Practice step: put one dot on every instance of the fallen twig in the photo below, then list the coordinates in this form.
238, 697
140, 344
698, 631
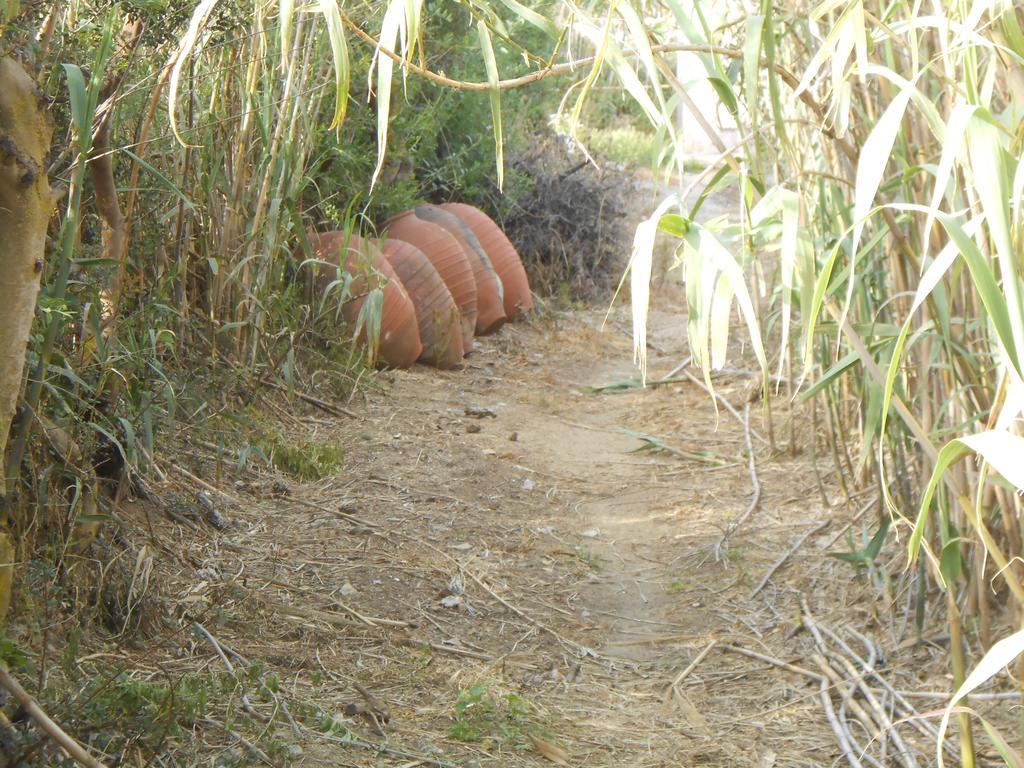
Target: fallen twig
726, 404
202, 483
772, 660
201, 630
755, 483
845, 691
334, 410
691, 666
382, 749
860, 513
884, 723
43, 720
577, 647
782, 560
842, 735
263, 756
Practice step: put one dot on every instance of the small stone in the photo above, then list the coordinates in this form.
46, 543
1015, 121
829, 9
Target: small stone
472, 429
527, 484
348, 590
514, 437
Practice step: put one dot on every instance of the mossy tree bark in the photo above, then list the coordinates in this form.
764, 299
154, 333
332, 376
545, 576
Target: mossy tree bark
25, 209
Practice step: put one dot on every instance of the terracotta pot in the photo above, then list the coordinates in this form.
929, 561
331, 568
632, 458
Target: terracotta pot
503, 256
436, 313
490, 306
450, 261
399, 345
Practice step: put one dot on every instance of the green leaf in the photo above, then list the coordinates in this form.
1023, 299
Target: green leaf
674, 225
542, 23
1001, 450
950, 563
80, 113
164, 181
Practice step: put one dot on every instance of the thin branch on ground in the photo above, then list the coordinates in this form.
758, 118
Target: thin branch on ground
755, 499
45, 722
782, 560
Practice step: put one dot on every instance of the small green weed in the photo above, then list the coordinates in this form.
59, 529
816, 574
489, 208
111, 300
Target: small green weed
489, 719
304, 460
588, 557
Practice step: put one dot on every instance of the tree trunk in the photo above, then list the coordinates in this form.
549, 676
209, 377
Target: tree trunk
25, 208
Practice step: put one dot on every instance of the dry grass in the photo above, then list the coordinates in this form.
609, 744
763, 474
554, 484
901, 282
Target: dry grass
557, 633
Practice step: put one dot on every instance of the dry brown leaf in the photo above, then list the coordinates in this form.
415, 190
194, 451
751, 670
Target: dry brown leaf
555, 754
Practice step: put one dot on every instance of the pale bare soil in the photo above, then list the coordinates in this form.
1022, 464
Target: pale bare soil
495, 538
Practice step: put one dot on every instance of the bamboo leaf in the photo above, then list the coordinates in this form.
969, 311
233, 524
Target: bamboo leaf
285, 20
639, 270
394, 19
185, 48
874, 157
608, 50
992, 663
1006, 752
787, 258
999, 449
992, 182
495, 95
705, 243
721, 305
752, 64
542, 23
339, 52
953, 141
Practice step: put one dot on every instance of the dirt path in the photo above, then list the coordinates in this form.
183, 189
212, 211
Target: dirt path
498, 563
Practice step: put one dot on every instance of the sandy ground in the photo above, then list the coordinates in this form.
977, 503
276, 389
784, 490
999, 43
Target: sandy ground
506, 573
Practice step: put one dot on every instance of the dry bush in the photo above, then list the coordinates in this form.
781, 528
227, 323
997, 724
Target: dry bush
569, 221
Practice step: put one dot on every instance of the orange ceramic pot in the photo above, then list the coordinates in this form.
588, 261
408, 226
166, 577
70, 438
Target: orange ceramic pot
490, 306
436, 313
450, 261
503, 255
399, 344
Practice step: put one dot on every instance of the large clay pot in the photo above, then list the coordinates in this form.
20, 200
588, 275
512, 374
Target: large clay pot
490, 305
450, 261
436, 313
503, 256
399, 345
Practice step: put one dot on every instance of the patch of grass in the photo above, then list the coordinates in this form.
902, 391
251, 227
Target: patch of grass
302, 459
675, 587
623, 145
588, 557
305, 460
489, 719
152, 716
